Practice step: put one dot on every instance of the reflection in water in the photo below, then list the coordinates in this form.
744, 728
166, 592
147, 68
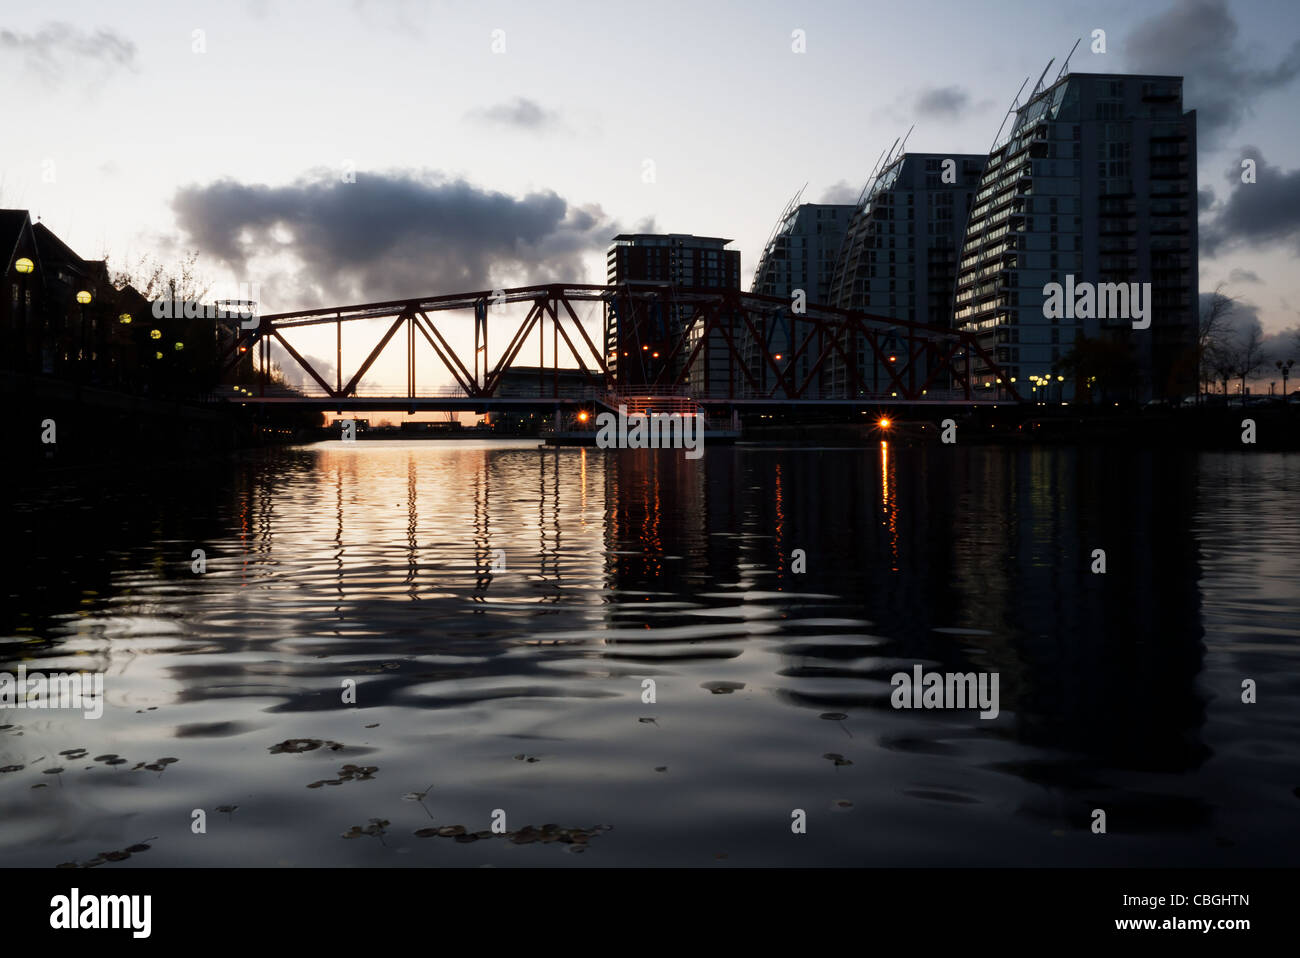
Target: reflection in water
889, 502
500, 608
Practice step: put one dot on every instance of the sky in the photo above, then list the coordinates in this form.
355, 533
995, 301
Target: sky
344, 152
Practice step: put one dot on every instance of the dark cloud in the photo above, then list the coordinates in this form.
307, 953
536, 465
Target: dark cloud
1244, 276
1281, 346
1197, 39
841, 192
387, 236
942, 102
1204, 199
520, 113
57, 48
1241, 320
1256, 214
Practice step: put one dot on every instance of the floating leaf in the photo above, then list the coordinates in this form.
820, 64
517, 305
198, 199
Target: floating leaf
722, 688
296, 745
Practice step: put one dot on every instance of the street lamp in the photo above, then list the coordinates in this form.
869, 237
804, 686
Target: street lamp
83, 297
1286, 371
24, 267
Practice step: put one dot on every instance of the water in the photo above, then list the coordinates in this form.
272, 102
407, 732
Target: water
518, 690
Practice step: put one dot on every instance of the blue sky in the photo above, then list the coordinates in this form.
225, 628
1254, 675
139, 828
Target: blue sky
478, 168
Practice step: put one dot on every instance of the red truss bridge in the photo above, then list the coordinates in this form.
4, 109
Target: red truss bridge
711, 347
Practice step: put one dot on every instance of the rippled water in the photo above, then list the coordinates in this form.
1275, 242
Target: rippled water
500, 608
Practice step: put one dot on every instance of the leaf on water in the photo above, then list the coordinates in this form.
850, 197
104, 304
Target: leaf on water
12, 768
722, 688
296, 745
226, 808
168, 761
833, 716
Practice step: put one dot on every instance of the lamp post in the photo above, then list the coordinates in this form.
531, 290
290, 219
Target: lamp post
1285, 367
24, 267
83, 297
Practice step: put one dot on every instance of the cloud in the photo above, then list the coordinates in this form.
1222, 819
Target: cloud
387, 235
1197, 39
942, 102
841, 192
520, 113
1281, 346
56, 49
1256, 214
1244, 276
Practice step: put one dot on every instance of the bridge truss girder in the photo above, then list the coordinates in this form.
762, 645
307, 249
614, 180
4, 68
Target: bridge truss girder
715, 319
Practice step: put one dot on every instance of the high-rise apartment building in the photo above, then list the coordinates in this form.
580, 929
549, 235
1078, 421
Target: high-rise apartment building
1094, 190
673, 259
800, 256
899, 256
